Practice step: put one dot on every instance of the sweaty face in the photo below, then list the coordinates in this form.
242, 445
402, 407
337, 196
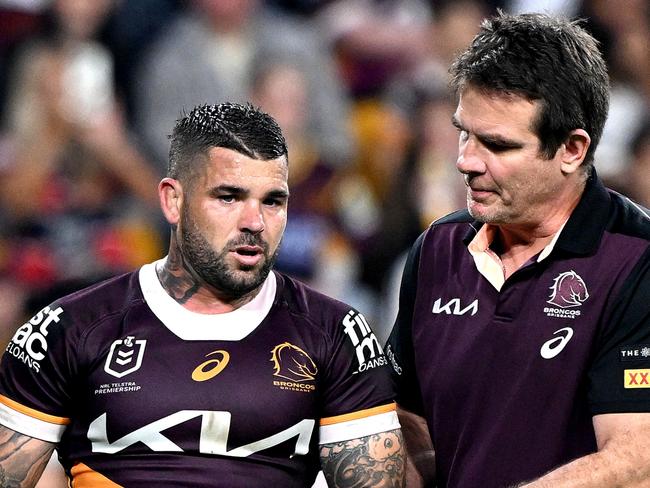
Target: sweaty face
508, 180
232, 221
213, 266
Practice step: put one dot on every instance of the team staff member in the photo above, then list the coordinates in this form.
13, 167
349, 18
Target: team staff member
522, 343
206, 368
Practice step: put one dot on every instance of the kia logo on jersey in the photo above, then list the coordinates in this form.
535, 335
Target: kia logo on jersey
125, 356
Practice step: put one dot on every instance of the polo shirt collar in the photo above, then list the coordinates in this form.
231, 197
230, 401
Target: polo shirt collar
580, 234
583, 231
586, 225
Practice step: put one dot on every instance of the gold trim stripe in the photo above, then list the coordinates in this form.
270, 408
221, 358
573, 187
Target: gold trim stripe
85, 477
369, 412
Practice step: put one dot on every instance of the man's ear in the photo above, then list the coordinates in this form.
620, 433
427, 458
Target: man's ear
574, 150
170, 192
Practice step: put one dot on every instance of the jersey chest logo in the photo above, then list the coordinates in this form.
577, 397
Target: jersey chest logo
213, 437
553, 347
125, 356
454, 307
568, 290
293, 364
212, 367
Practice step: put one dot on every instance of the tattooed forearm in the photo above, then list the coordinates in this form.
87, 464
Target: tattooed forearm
22, 459
372, 461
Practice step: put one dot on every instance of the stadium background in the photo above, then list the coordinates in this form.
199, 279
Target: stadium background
89, 89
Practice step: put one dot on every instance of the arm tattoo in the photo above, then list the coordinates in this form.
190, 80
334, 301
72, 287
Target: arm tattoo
373, 461
22, 459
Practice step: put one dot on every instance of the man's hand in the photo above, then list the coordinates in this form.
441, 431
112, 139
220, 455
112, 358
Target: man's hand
420, 457
622, 460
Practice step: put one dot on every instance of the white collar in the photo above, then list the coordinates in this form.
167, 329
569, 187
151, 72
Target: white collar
192, 326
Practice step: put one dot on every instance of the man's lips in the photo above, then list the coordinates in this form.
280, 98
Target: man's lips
479, 193
248, 255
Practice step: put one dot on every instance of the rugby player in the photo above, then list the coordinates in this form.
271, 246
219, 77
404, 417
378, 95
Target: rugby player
205, 368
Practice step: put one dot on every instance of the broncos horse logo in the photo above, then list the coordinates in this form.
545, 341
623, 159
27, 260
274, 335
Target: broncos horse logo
292, 363
568, 290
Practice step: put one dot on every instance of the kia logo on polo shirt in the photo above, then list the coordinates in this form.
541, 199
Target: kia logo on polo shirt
453, 307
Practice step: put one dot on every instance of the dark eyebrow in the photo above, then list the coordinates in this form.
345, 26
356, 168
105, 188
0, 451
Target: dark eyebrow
233, 190
237, 190
499, 141
282, 194
489, 138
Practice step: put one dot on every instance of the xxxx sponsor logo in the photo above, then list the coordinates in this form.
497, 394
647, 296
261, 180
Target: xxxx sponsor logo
637, 378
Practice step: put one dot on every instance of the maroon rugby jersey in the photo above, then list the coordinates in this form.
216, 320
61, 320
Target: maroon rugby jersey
139, 391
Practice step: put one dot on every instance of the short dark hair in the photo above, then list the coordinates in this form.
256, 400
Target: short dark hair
242, 128
549, 59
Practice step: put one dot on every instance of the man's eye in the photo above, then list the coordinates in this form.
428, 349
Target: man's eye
495, 147
227, 198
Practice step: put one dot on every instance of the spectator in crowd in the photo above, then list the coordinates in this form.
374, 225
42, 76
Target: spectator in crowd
76, 201
209, 52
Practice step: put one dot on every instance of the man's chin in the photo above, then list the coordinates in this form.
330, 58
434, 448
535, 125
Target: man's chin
484, 213
250, 276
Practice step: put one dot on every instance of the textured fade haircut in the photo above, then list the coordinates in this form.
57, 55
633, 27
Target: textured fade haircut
242, 128
547, 59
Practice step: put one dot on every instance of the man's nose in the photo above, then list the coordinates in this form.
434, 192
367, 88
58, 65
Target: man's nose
470, 159
251, 218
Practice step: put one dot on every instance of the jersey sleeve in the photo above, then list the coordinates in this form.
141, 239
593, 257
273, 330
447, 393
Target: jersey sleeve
399, 348
358, 398
34, 377
619, 377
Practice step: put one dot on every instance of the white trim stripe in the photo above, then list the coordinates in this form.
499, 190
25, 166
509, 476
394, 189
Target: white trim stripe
30, 426
354, 429
192, 326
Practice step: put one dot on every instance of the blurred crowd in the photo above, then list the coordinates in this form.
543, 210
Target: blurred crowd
90, 89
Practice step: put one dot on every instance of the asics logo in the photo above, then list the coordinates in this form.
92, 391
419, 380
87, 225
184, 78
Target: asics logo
553, 347
212, 367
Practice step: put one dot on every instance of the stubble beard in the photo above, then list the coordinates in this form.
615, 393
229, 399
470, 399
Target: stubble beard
212, 266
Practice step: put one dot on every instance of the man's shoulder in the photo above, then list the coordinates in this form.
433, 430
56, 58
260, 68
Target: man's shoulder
303, 299
461, 216
104, 298
628, 217
458, 226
